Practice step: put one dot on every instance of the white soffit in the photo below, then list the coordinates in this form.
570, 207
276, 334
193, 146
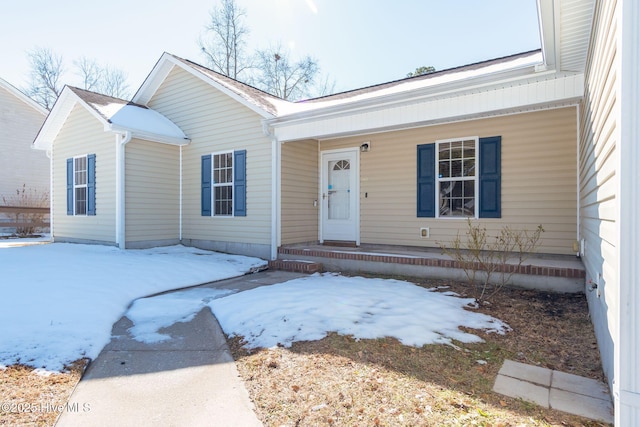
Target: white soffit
576, 18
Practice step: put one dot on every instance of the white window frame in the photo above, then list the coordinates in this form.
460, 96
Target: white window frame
80, 186
215, 184
475, 178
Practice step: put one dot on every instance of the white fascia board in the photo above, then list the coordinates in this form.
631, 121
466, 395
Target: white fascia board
449, 89
548, 20
57, 117
162, 69
512, 96
148, 136
153, 81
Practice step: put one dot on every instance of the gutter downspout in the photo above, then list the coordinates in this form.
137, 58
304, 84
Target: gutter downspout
578, 252
180, 201
121, 141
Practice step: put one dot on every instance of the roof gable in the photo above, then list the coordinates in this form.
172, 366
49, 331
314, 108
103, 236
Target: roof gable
260, 102
22, 97
116, 115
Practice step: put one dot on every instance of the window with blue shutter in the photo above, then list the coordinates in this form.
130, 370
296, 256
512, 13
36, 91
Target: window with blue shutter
91, 184
490, 179
426, 181
447, 168
240, 183
69, 186
224, 184
81, 185
206, 185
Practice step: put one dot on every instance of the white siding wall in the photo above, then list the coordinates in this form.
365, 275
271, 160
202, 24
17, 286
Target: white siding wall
214, 123
19, 163
152, 194
83, 134
598, 179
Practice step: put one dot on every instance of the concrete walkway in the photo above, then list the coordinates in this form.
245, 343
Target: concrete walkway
569, 393
189, 380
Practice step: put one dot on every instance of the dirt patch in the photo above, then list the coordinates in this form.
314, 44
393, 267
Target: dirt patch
342, 381
31, 399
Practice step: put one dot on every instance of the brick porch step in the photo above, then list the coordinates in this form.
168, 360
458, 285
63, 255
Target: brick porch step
298, 266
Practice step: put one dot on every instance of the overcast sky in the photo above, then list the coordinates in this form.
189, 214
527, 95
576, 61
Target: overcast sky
356, 42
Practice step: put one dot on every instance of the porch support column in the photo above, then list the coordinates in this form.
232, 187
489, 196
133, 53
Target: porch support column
276, 152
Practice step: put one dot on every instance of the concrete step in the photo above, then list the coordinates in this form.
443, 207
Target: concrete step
298, 266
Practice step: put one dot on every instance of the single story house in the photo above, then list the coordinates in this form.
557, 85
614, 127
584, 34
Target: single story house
21, 167
543, 137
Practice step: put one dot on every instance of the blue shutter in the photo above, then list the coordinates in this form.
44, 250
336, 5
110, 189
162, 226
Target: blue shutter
490, 177
427, 180
206, 185
240, 183
69, 186
91, 184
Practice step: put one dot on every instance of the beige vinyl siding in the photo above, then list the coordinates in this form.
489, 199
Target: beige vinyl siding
19, 163
83, 134
598, 179
300, 187
538, 179
216, 123
152, 193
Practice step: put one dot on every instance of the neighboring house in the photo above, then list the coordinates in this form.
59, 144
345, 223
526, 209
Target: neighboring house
21, 167
542, 137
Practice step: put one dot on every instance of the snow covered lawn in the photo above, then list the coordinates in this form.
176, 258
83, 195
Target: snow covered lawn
58, 301
310, 307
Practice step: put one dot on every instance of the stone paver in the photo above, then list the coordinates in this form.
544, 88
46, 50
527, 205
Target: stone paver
513, 387
579, 404
565, 392
529, 373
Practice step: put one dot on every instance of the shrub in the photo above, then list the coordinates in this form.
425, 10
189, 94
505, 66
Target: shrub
483, 258
28, 198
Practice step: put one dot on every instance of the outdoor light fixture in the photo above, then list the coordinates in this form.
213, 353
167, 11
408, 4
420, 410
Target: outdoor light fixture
365, 147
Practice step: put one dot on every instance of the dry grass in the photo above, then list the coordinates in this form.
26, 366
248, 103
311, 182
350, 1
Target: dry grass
29, 399
344, 382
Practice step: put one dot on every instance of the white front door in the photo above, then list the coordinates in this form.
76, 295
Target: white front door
340, 196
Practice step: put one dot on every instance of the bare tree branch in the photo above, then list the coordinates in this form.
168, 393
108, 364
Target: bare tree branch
89, 71
224, 43
282, 78
46, 70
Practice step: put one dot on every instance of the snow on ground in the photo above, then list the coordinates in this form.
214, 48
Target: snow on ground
149, 315
309, 307
59, 301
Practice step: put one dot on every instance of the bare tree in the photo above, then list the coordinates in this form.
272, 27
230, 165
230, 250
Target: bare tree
46, 71
324, 87
103, 79
224, 44
282, 78
89, 71
114, 83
